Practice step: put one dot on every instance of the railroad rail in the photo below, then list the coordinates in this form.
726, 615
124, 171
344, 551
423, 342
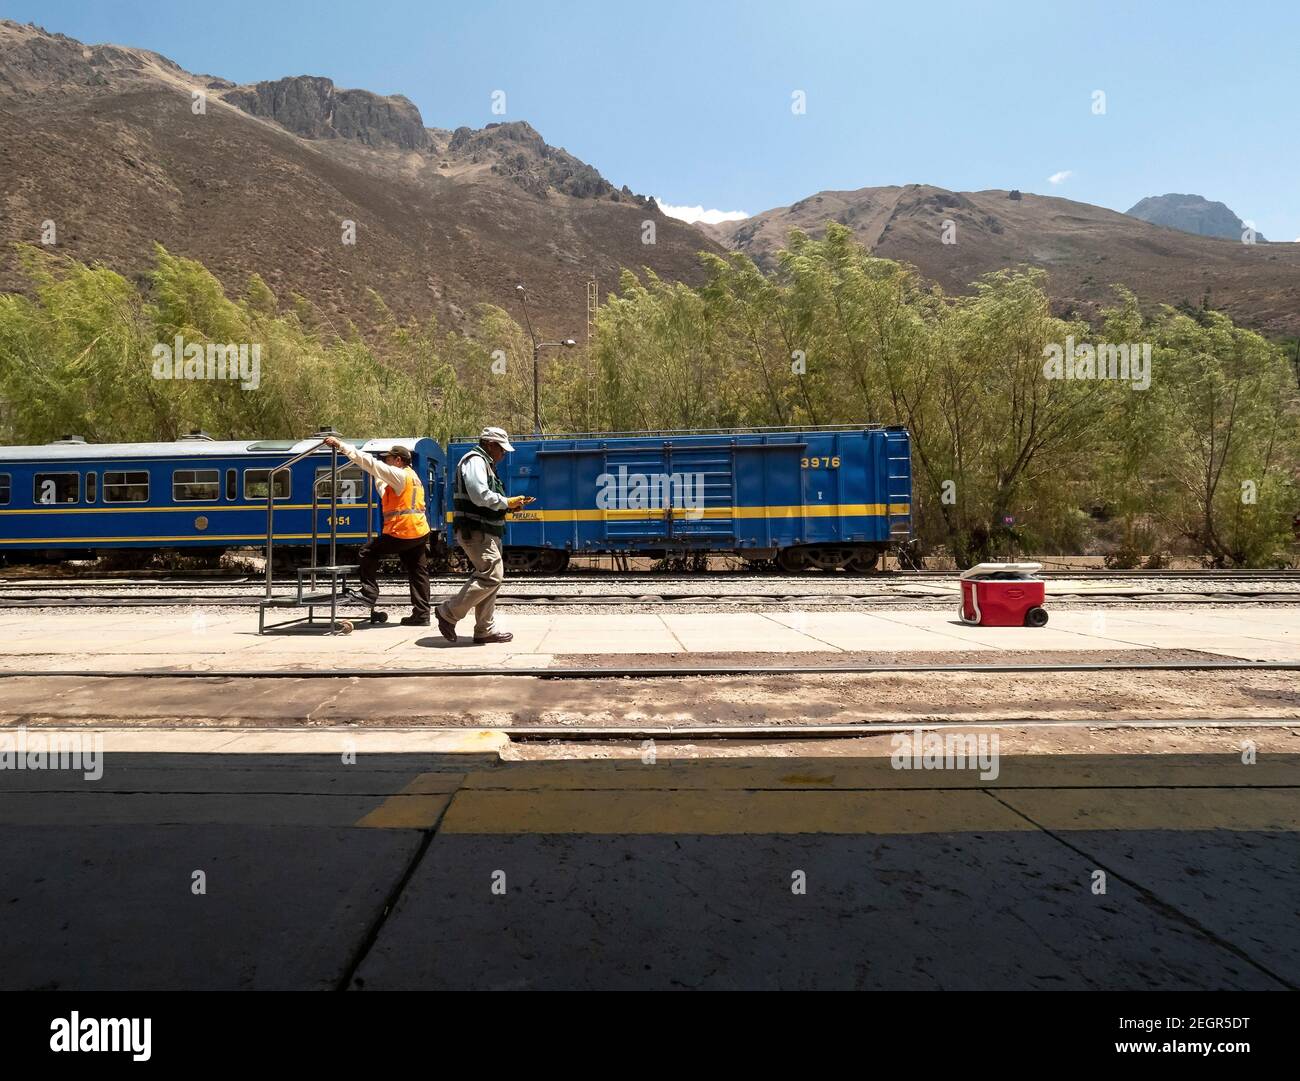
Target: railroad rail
137, 577
651, 672
883, 600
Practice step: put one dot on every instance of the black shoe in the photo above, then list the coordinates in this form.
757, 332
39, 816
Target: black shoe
496, 636
448, 630
415, 621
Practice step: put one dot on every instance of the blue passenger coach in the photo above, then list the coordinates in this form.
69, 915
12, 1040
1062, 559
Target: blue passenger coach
71, 498
827, 498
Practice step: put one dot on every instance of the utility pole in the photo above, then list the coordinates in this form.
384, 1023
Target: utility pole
537, 350
593, 306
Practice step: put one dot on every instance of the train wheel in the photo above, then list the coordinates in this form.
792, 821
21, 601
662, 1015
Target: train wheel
864, 561
555, 562
536, 560
829, 559
792, 560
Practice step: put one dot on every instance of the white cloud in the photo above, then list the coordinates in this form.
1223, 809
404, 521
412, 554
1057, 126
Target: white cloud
1061, 177
698, 213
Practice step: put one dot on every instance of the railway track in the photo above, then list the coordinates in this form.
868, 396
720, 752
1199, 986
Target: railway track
126, 579
653, 672
741, 590
396, 600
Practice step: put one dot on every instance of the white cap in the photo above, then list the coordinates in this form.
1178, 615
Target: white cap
496, 435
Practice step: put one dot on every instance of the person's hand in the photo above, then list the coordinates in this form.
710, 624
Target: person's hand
516, 501
330, 441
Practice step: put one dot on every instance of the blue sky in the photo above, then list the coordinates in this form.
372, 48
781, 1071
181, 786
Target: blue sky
691, 102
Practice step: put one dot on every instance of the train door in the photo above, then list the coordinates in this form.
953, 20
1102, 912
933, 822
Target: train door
623, 495
700, 483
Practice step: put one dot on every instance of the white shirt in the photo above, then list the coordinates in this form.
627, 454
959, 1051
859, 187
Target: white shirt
474, 470
387, 475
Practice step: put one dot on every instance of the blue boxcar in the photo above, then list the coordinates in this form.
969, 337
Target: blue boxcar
826, 498
70, 497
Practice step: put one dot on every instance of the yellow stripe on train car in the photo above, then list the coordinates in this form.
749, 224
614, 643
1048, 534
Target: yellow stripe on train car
812, 510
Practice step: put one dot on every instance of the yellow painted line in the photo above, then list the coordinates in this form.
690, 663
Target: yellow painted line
1252, 809
402, 812
417, 806
810, 510
794, 774
726, 813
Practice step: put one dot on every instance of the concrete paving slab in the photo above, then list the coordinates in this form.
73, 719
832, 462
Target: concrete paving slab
946, 886
1240, 886
611, 633
738, 632
1059, 634
985, 911
859, 631
72, 639
112, 907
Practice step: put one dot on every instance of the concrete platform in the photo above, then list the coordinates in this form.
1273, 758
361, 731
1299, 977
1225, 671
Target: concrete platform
223, 640
425, 868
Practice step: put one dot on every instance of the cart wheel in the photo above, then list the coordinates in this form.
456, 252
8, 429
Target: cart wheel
1036, 617
378, 617
345, 626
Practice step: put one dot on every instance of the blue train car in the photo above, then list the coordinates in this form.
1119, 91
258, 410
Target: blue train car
830, 498
71, 498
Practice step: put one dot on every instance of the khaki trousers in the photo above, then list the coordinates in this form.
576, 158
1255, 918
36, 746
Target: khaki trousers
480, 592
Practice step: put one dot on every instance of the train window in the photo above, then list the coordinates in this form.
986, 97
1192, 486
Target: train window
48, 488
232, 483
91, 487
196, 485
255, 484
4, 489
126, 486
351, 485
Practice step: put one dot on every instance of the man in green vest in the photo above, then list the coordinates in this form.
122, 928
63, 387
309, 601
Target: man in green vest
479, 510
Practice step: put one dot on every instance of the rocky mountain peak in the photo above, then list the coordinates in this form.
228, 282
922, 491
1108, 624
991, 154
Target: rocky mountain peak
313, 107
1191, 214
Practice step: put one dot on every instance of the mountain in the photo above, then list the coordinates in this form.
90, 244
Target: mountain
1083, 248
110, 143
1191, 214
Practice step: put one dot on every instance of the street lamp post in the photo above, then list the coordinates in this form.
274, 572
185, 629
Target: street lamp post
567, 343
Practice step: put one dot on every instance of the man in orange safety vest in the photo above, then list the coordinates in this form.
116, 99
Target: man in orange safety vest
406, 528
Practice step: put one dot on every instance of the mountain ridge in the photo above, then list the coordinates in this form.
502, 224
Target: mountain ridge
1084, 249
444, 219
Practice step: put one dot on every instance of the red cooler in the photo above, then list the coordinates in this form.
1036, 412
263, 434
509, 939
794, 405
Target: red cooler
1003, 595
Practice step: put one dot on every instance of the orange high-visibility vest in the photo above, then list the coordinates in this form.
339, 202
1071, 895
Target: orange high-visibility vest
404, 514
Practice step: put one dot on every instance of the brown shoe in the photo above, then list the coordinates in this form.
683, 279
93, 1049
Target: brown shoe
495, 636
447, 629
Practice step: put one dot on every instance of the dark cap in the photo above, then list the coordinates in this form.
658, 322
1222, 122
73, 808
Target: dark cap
400, 451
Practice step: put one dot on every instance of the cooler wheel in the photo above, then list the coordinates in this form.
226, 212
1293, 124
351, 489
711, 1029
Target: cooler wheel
1036, 617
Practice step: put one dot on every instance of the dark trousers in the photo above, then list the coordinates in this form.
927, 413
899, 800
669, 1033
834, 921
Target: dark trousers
414, 555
